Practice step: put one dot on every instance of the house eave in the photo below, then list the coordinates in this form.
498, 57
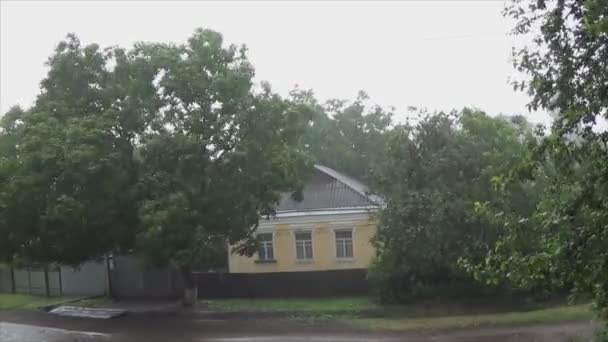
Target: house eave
325, 211
336, 217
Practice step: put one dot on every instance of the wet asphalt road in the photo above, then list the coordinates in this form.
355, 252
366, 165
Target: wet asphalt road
28, 326
10, 332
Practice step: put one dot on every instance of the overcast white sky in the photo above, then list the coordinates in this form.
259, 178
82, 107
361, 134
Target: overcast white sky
433, 54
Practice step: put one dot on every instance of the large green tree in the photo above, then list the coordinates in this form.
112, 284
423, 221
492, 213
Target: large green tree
219, 156
164, 150
435, 173
564, 241
348, 136
9, 130
69, 172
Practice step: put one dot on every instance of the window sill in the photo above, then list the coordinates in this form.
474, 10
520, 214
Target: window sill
345, 261
305, 262
271, 261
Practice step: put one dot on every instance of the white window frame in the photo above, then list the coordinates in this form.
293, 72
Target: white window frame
265, 246
306, 259
352, 242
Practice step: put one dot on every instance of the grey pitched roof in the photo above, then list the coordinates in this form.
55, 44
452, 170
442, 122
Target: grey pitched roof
329, 189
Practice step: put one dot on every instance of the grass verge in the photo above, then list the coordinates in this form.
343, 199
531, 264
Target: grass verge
23, 301
547, 315
362, 313
304, 305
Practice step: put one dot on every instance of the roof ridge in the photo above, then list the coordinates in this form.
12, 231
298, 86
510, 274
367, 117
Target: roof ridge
351, 183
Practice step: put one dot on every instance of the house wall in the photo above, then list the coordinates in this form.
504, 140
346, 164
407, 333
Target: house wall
323, 240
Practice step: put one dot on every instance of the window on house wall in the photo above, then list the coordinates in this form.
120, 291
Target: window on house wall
344, 244
303, 245
265, 250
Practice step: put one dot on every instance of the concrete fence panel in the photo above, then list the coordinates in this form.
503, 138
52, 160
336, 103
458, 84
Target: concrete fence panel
6, 282
87, 280
33, 281
132, 278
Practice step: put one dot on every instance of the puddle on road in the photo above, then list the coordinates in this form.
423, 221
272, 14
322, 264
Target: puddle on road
296, 338
11, 332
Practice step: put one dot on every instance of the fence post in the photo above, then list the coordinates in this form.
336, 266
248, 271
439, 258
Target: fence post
47, 288
60, 280
13, 285
109, 276
29, 280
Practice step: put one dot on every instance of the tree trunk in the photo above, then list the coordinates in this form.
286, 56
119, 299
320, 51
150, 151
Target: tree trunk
108, 277
47, 287
13, 284
191, 289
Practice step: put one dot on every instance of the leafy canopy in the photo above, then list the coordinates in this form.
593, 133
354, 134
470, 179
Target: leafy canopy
163, 149
219, 158
348, 136
563, 242
435, 172
68, 172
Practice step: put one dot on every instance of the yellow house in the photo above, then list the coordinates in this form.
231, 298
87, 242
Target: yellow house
330, 229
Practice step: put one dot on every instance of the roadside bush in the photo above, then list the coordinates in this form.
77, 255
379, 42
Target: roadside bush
435, 175
391, 287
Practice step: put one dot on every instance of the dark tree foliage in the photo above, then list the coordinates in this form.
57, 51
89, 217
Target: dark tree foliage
163, 150
435, 174
69, 169
347, 136
563, 242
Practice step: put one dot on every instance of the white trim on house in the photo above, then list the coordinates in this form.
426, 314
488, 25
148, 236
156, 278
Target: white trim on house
328, 211
336, 221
